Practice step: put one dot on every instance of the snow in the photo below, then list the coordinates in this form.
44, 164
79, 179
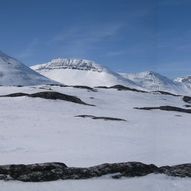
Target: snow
38, 130
81, 72
13, 72
147, 183
28, 125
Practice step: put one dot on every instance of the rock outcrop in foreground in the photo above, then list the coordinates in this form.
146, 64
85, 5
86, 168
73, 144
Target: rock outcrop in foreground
59, 171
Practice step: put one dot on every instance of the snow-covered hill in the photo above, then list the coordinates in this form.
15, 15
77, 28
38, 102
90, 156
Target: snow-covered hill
13, 72
81, 72
156, 82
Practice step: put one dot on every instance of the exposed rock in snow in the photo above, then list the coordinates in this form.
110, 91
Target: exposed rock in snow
103, 118
49, 95
42, 172
166, 108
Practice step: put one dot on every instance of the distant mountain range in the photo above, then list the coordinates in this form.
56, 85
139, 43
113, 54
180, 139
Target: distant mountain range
156, 82
86, 73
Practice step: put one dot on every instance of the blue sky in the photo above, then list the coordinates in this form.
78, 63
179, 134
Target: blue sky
124, 35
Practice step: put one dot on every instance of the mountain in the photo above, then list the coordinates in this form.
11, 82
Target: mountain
186, 81
155, 82
81, 72
13, 72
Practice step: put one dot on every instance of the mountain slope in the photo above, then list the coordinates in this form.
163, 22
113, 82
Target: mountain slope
13, 72
156, 82
81, 72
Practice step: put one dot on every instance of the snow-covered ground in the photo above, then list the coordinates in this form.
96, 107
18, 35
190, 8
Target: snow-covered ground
147, 183
38, 130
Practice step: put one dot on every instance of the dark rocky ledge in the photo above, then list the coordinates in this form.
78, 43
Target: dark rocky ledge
187, 105
166, 108
121, 88
50, 95
103, 118
84, 87
59, 171
166, 93
187, 99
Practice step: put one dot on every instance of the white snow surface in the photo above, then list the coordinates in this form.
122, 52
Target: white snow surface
13, 72
39, 130
81, 72
156, 82
147, 183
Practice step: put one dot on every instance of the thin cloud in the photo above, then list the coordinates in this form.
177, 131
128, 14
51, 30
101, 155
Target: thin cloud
82, 39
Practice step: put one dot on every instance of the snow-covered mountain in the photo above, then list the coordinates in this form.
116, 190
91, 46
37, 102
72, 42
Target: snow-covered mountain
186, 81
156, 82
81, 72
13, 72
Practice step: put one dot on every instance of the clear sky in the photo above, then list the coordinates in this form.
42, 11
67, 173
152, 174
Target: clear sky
124, 35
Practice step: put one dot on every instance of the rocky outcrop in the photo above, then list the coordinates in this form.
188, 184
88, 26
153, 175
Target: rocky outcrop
166, 108
103, 118
165, 93
85, 87
50, 95
122, 88
56, 171
187, 99
59, 171
183, 170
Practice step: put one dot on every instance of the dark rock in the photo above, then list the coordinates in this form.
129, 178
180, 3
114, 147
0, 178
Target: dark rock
58, 84
165, 93
85, 87
103, 118
121, 87
166, 108
15, 95
187, 99
55, 171
187, 105
50, 95
183, 170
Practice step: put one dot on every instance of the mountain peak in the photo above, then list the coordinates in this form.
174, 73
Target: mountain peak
68, 63
81, 72
155, 82
184, 79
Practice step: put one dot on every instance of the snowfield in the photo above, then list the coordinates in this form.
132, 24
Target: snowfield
147, 183
39, 130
